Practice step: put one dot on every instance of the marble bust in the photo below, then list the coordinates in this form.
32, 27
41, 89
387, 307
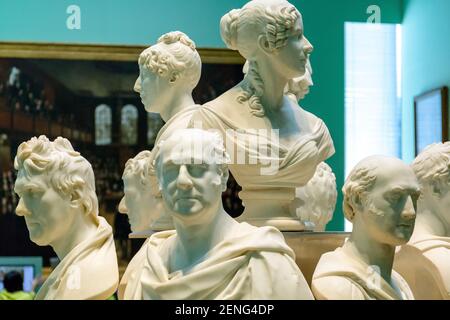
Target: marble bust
380, 196
209, 255
425, 261
315, 202
56, 187
274, 144
139, 202
169, 71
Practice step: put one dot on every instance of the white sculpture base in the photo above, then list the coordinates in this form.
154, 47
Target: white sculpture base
260, 205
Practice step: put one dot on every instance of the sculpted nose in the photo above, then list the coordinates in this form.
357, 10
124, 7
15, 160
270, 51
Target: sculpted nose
21, 209
122, 207
137, 85
184, 180
308, 48
409, 213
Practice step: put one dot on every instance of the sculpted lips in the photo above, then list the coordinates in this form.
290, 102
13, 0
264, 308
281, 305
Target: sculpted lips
32, 223
405, 225
186, 197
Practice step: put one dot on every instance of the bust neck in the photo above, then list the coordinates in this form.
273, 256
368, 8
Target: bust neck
82, 227
273, 84
176, 104
194, 241
372, 252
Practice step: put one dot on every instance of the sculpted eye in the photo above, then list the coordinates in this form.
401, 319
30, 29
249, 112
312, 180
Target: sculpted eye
395, 197
197, 170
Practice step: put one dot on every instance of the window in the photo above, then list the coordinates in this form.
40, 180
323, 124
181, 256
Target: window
103, 123
129, 125
372, 92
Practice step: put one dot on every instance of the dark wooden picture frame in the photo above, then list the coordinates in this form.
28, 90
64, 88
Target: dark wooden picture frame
426, 108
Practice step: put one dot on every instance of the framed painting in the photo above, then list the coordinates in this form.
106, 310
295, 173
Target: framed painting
431, 118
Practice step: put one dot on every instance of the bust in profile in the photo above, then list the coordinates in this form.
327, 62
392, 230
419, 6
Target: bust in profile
209, 255
380, 196
425, 260
275, 145
315, 202
138, 202
56, 187
169, 71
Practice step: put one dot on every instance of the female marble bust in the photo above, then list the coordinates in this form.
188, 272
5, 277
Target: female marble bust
275, 145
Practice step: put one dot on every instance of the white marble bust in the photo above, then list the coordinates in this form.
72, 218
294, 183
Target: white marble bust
209, 255
139, 202
56, 187
425, 261
380, 196
275, 145
169, 71
315, 202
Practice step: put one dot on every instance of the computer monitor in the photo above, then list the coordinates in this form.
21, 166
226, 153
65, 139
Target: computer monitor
29, 267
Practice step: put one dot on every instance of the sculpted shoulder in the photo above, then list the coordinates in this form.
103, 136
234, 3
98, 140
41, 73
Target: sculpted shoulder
336, 288
227, 104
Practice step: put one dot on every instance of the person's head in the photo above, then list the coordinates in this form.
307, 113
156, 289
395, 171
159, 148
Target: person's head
380, 197
266, 32
191, 167
315, 202
13, 281
138, 201
56, 185
432, 168
170, 67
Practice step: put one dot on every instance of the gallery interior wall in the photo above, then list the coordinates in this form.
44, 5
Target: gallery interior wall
426, 58
141, 22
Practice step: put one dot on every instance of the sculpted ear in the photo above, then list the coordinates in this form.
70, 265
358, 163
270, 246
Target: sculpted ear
357, 202
263, 44
175, 75
436, 188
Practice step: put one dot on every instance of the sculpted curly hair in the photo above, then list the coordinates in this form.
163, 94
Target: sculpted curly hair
359, 182
139, 166
432, 166
240, 29
174, 55
70, 174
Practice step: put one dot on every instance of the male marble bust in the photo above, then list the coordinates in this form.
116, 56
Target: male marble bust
380, 196
56, 187
425, 260
209, 255
138, 202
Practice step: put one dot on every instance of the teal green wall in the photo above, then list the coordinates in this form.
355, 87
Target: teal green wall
142, 21
426, 58
138, 22
324, 26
